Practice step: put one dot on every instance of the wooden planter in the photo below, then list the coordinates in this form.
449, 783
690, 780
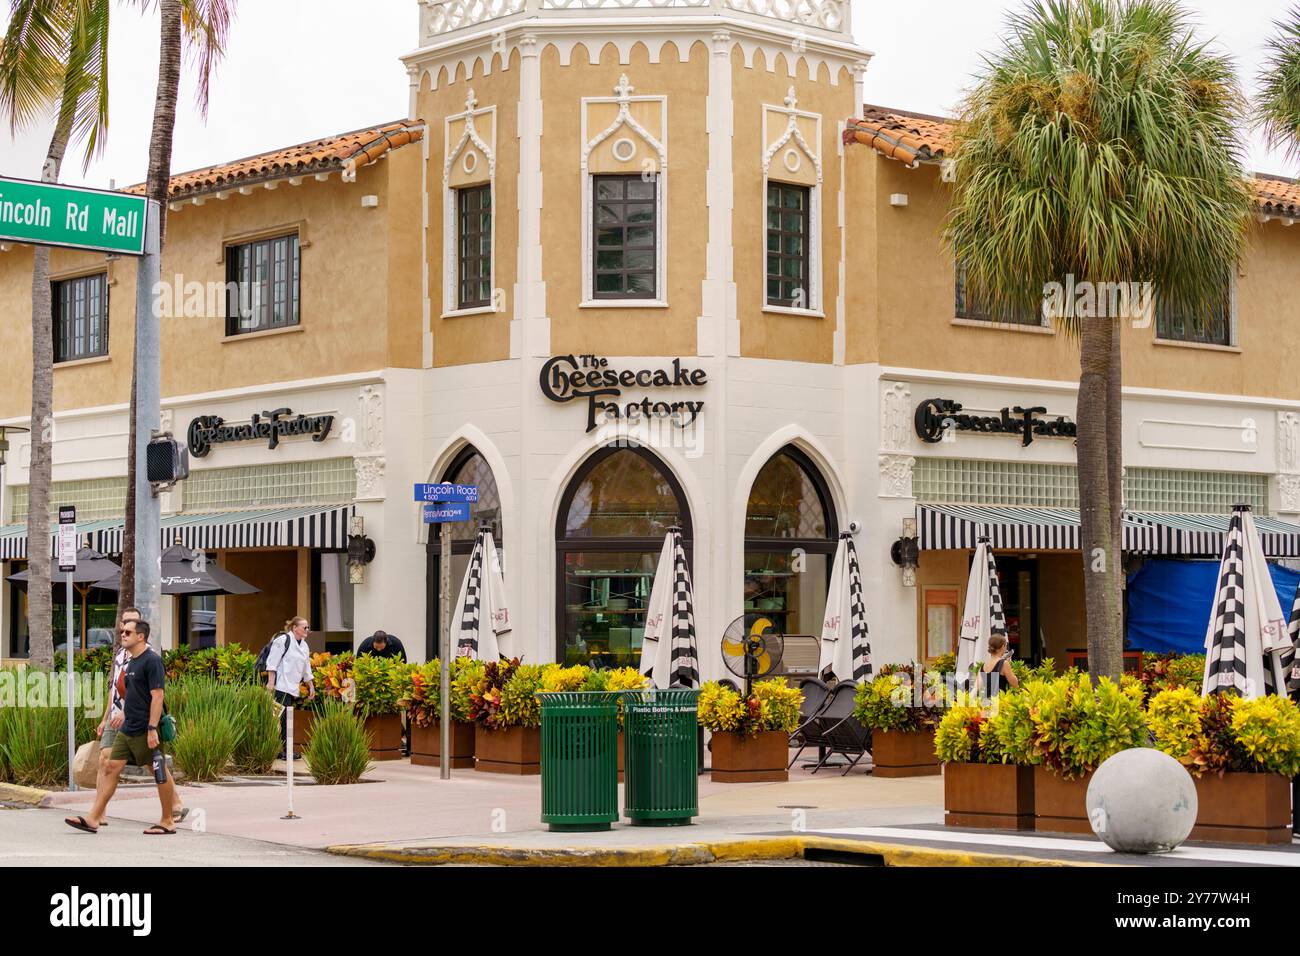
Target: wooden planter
1243, 808
988, 796
426, 745
903, 753
1060, 805
385, 732
516, 750
302, 727
738, 758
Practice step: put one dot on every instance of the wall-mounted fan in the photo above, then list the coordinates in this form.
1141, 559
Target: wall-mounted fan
751, 648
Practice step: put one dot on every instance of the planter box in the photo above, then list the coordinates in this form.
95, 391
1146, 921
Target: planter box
516, 750
302, 727
988, 795
903, 753
1060, 805
1243, 808
385, 732
426, 745
738, 758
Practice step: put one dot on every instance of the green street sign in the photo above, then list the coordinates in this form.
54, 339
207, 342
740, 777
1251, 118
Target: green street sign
47, 214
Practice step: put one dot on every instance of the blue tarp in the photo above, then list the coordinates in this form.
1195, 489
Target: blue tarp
1169, 603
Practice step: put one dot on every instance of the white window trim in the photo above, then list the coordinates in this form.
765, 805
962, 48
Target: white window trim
792, 135
1234, 344
450, 203
625, 120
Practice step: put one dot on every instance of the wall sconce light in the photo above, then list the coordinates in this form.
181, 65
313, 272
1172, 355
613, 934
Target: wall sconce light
905, 552
4, 439
361, 550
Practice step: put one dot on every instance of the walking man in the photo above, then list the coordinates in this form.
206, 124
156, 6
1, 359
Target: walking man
136, 740
288, 666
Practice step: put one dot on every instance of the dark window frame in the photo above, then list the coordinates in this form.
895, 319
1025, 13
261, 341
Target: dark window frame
284, 292
624, 224
965, 308
468, 239
79, 337
804, 234
1220, 330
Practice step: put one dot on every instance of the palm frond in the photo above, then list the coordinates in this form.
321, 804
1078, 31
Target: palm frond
1277, 112
205, 25
32, 55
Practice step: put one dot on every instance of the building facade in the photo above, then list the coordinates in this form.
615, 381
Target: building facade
637, 266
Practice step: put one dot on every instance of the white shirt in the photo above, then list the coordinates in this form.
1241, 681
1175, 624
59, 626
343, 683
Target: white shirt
291, 662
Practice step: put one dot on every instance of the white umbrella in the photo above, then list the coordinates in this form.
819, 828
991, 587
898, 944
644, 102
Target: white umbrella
845, 650
982, 614
1247, 635
482, 598
1290, 660
668, 654
656, 642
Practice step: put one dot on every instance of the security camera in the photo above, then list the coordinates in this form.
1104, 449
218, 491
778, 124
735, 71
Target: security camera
855, 527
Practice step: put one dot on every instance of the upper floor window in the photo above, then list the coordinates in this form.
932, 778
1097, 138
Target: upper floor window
787, 245
1216, 328
474, 247
969, 306
624, 230
80, 317
262, 281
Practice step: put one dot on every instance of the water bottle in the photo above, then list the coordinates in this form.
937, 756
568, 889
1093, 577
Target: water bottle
159, 767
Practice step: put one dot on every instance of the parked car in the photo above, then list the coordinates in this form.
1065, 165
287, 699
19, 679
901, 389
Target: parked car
96, 638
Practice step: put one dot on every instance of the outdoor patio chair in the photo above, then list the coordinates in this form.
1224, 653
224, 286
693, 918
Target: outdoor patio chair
839, 731
816, 695
814, 732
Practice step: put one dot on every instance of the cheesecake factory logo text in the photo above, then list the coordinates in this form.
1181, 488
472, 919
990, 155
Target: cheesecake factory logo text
565, 378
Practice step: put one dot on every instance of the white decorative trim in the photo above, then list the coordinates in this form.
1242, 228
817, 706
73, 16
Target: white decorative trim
791, 138
623, 304
371, 400
624, 98
895, 416
896, 476
1288, 442
450, 246
370, 477
623, 157
1288, 490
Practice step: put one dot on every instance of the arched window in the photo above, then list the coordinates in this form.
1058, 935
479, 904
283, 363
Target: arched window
790, 538
608, 535
469, 467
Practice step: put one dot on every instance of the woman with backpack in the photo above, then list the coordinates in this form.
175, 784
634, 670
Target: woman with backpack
288, 667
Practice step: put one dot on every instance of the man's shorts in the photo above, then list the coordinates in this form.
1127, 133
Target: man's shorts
134, 750
107, 737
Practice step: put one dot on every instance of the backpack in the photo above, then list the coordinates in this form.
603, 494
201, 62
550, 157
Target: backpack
260, 666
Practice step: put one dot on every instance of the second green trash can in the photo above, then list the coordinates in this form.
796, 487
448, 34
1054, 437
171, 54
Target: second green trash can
661, 763
579, 759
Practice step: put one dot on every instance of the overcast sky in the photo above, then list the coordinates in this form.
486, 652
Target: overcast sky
300, 69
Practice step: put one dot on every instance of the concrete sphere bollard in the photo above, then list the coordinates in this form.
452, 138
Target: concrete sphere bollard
1141, 801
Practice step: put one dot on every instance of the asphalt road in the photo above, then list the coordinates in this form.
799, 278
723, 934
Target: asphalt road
39, 837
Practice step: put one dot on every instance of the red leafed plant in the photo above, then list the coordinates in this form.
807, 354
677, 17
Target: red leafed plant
485, 696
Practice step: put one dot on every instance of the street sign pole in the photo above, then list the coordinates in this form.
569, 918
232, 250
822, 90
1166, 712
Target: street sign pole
444, 728
148, 418
67, 552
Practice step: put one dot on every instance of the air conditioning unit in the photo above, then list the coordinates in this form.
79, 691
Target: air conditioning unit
167, 461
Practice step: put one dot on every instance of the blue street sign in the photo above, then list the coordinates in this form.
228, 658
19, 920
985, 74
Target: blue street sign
446, 491
449, 511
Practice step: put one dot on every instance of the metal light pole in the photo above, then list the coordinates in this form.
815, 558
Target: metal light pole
148, 419
444, 723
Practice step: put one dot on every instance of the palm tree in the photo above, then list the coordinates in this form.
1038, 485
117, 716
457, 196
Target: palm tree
1278, 103
1100, 141
54, 55
204, 26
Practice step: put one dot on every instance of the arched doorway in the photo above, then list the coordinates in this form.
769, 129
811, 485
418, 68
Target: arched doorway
469, 467
790, 536
610, 529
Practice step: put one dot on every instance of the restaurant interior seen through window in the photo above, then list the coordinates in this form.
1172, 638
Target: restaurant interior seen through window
610, 531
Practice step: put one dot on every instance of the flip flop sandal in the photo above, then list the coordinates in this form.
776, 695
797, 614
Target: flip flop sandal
81, 824
157, 830
179, 816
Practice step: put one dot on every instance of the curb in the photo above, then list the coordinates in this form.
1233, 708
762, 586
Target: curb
25, 796
758, 849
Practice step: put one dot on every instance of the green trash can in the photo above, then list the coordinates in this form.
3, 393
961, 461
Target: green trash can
661, 760
579, 759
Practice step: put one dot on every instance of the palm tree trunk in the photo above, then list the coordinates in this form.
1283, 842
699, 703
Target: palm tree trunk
1096, 532
159, 177
40, 603
1115, 474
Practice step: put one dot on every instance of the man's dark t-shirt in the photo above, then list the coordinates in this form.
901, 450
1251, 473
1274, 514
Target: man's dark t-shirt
144, 674
393, 648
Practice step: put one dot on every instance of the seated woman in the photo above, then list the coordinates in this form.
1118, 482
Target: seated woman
998, 666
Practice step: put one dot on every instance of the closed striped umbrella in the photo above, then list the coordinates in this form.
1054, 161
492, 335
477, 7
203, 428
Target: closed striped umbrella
982, 615
684, 667
482, 601
1290, 658
846, 648
656, 642
1247, 635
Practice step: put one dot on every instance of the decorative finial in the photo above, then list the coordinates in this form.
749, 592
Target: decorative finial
791, 101
624, 88
471, 101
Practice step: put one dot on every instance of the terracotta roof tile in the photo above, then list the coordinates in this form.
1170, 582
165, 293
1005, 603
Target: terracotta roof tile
358, 148
913, 138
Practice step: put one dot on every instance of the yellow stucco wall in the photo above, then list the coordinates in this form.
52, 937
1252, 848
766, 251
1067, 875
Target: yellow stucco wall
683, 79
484, 337
768, 334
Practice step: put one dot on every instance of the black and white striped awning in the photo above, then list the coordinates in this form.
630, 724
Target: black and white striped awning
312, 526
942, 527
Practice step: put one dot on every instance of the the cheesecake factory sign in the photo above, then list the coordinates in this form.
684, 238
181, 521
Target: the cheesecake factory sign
566, 378
208, 430
934, 416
